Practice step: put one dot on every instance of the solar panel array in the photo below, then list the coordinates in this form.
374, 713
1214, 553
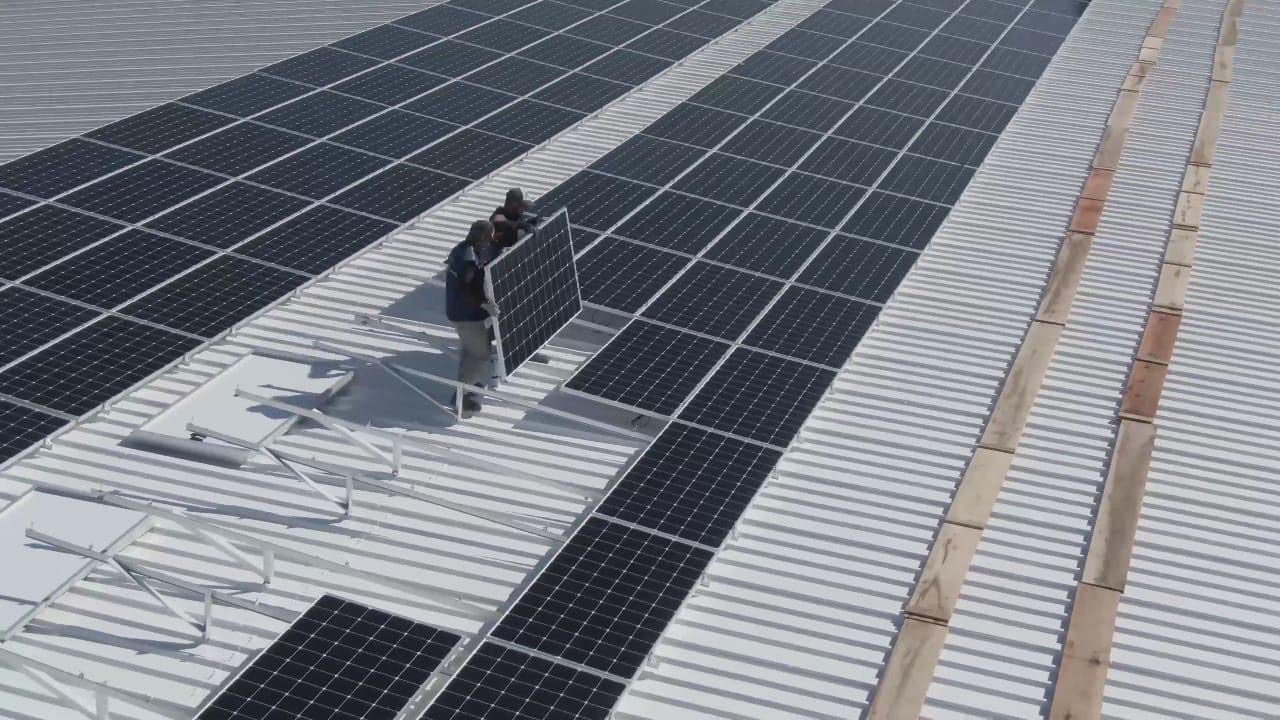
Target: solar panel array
171, 226
338, 661
753, 234
535, 286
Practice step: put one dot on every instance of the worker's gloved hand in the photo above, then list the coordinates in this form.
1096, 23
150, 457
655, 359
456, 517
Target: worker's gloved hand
526, 226
491, 308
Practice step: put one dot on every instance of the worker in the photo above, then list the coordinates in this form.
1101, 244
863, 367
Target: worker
468, 308
509, 220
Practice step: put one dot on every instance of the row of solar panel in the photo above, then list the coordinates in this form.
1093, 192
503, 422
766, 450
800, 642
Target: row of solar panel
604, 600
198, 213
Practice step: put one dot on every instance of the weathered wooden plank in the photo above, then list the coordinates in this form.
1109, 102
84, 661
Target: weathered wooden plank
1086, 656
1111, 544
905, 682
979, 487
1141, 397
943, 575
1159, 337
1171, 288
1009, 416
1060, 291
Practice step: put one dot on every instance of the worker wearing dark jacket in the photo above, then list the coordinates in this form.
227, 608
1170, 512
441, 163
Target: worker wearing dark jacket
467, 307
509, 221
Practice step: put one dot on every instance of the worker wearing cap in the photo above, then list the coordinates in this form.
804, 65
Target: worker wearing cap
468, 308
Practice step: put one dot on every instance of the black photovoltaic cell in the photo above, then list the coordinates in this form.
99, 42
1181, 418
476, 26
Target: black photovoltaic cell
238, 149
550, 15
880, 127
771, 142
667, 44
651, 12
503, 35
395, 133
530, 121
390, 84
933, 72
228, 215
678, 222
93, 365
338, 661
400, 193
622, 275
385, 42
470, 153
972, 28
10, 204
247, 95
729, 179
773, 67
758, 396
318, 171
321, 66
535, 287
451, 58
116, 270
442, 20
695, 125
955, 49
565, 51
848, 160
583, 93
812, 325
215, 296
737, 8
320, 114
627, 67
607, 29
460, 102
583, 239
928, 179
1073, 8
1046, 22
704, 24
1032, 41
713, 300
867, 270
499, 683
29, 320
812, 199
136, 194
691, 483
740, 95
594, 200
160, 128
1016, 62
606, 597
916, 16
491, 7
898, 37
976, 113
866, 8
896, 219
836, 24
648, 159
21, 427
843, 83
649, 367
807, 110
805, 44
767, 245
998, 86
909, 98
991, 10
515, 75
57, 169
953, 144
317, 240
44, 234
869, 58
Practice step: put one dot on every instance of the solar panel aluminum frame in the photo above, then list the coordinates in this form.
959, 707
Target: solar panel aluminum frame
504, 368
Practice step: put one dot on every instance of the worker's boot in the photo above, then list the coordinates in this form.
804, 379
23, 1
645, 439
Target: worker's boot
470, 403
540, 358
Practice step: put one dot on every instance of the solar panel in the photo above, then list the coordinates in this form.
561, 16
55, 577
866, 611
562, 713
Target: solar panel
622, 275
991, 10
955, 49
713, 300
338, 660
695, 125
758, 396
93, 365
773, 68
735, 94
896, 219
869, 58
866, 270
812, 325
1016, 62
1054, 23
839, 82
470, 153
22, 427
320, 114
934, 180
648, 160
972, 28
57, 169
160, 128
811, 199
491, 7
679, 222
898, 37
606, 597
515, 75
771, 142
736, 8
228, 215
238, 149
916, 16
322, 66
400, 193
317, 240
767, 245
1032, 41
729, 179
628, 67
691, 483
607, 29
442, 20
390, 84
29, 319
460, 102
535, 286
385, 42
550, 15
583, 93
319, 171
395, 133
594, 200
503, 35
879, 127
109, 273
650, 12
451, 58
648, 367
836, 24
847, 160
10, 204
977, 113
565, 51
139, 192
247, 95
43, 234
500, 683
998, 86
704, 24
596, 5
953, 144
530, 121
667, 44
215, 296
805, 44
933, 72
907, 98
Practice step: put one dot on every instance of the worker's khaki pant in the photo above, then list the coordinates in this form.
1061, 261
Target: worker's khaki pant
476, 341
